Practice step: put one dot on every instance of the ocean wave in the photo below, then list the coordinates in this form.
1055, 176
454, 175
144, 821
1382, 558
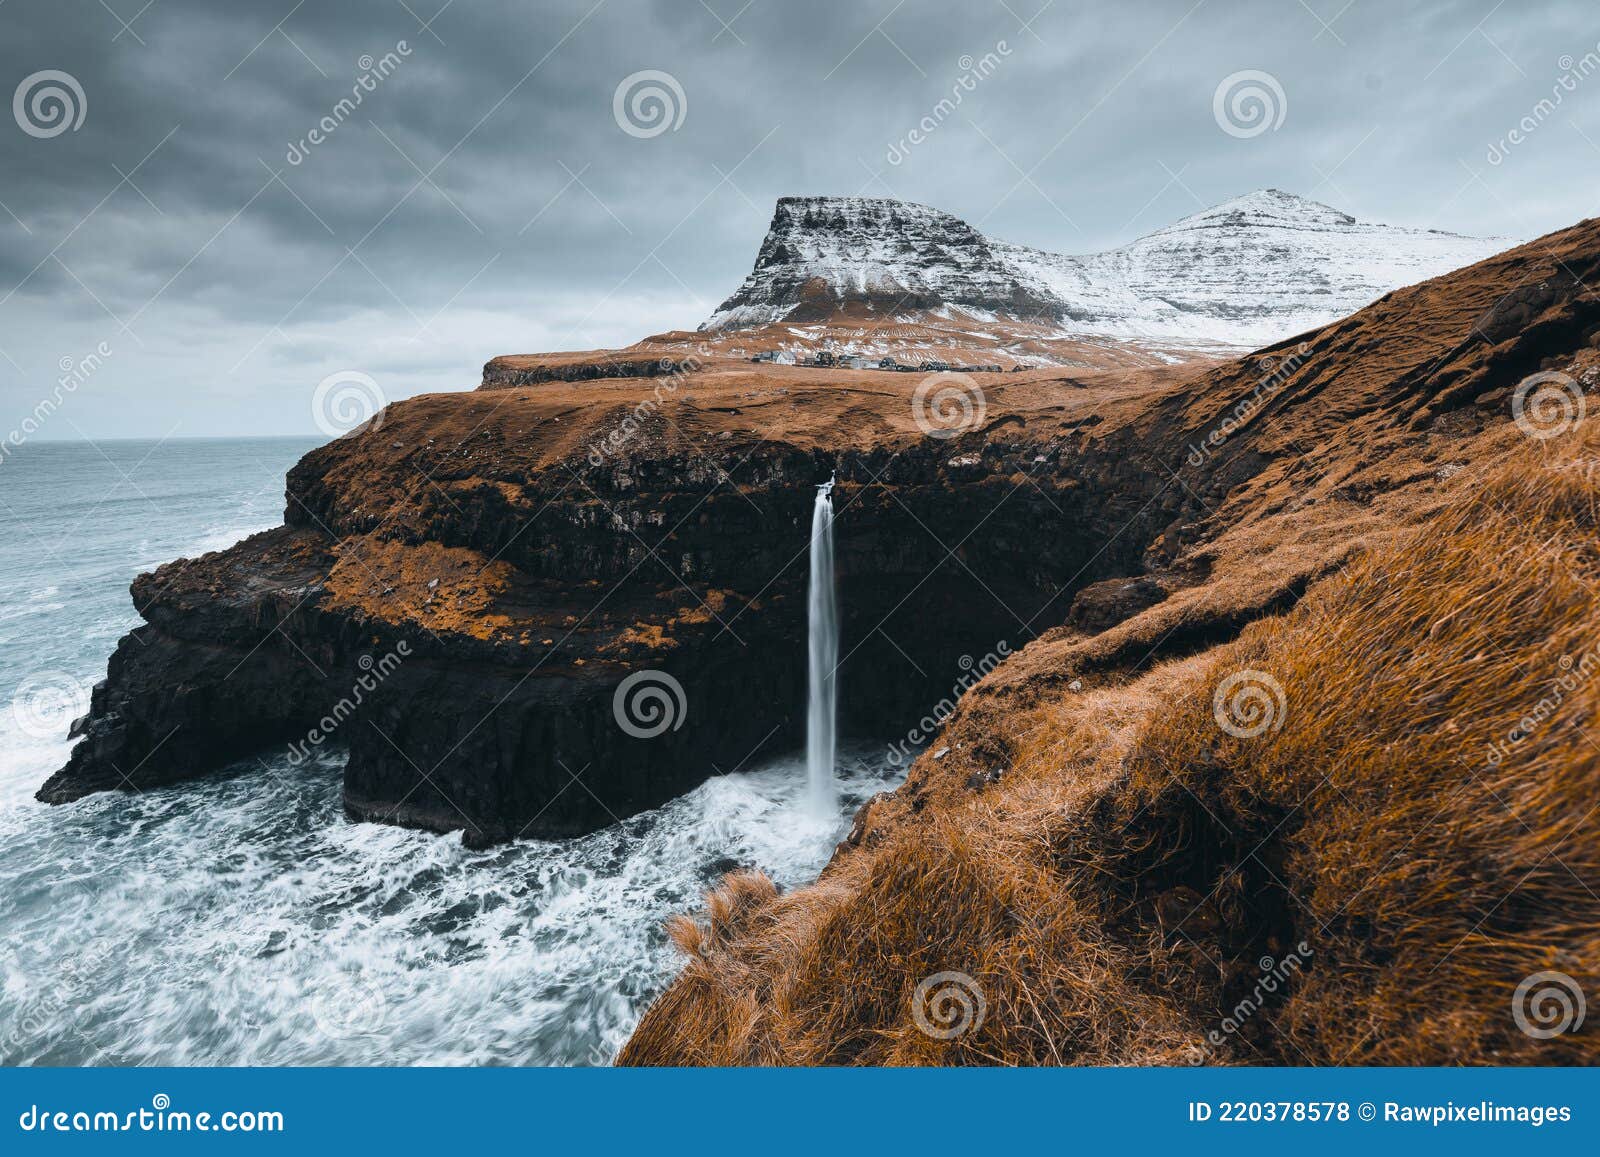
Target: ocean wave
255, 925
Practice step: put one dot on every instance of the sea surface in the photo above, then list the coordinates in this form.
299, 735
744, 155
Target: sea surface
240, 919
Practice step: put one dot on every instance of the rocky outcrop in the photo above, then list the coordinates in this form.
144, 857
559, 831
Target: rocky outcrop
200, 684
510, 371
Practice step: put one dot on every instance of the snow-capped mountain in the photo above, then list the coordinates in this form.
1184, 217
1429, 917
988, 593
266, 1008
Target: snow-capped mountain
1244, 273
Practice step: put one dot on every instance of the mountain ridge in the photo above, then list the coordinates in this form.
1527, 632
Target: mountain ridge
1240, 274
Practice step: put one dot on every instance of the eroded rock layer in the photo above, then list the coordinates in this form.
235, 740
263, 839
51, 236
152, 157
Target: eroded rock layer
530, 548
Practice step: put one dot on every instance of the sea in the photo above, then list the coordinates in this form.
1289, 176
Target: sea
240, 918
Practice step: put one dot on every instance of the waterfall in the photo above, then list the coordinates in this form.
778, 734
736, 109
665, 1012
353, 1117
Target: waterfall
823, 626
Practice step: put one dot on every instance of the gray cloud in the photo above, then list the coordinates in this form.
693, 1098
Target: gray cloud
243, 278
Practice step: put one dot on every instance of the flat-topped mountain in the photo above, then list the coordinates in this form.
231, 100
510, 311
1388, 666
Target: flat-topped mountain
1241, 274
823, 254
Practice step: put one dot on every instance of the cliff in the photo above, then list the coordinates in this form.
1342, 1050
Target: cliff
533, 547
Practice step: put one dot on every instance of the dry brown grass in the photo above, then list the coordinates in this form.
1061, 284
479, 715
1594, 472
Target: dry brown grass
1112, 893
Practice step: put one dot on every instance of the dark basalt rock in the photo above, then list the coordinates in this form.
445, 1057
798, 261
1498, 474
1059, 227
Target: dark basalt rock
1105, 604
249, 651
510, 373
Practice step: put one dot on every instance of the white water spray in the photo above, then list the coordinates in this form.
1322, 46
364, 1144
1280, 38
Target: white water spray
823, 623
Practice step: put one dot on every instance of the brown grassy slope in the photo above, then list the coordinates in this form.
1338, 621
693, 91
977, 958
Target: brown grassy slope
1111, 870
1112, 894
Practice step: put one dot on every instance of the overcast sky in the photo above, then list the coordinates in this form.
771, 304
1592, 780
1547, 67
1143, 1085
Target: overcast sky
485, 198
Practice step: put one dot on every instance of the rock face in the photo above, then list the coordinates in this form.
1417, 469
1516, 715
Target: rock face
1244, 273
507, 372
